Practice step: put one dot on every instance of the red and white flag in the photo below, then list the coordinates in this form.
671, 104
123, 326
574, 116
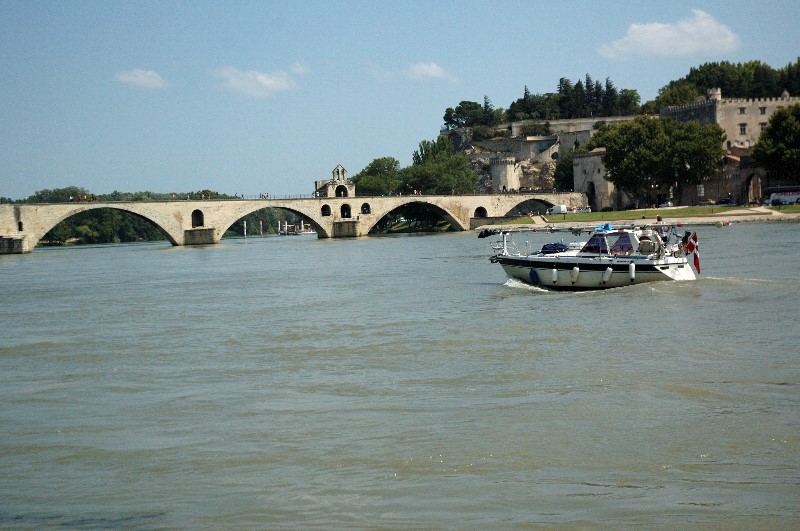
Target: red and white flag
693, 247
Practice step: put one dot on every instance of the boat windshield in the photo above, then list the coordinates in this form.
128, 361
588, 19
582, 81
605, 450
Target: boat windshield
597, 244
623, 245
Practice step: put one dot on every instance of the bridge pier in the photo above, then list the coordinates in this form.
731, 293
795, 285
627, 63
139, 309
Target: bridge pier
199, 236
14, 245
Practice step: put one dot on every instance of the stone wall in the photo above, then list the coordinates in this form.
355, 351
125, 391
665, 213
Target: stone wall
742, 119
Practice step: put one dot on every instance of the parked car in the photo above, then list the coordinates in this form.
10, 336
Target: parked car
724, 201
708, 202
666, 204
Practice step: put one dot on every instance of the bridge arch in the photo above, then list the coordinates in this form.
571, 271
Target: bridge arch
307, 216
480, 212
442, 210
37, 235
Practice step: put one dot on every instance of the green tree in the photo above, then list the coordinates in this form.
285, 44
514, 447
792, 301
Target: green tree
380, 177
58, 195
674, 94
438, 169
695, 152
628, 102
647, 155
778, 146
466, 114
563, 175
609, 99
752, 79
472, 114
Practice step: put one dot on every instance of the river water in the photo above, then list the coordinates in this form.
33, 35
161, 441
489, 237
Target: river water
396, 382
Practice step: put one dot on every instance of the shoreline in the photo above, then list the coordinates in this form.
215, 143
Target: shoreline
757, 214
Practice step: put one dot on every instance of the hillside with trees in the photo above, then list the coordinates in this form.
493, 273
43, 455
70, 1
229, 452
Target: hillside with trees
752, 79
580, 99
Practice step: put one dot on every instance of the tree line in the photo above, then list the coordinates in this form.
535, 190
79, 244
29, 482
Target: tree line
752, 79
585, 98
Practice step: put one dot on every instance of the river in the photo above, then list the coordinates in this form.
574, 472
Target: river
396, 382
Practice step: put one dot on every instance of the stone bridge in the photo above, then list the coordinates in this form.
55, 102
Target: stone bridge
204, 222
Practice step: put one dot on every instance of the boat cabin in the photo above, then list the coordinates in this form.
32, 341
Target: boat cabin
622, 243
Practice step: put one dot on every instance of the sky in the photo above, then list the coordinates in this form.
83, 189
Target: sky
246, 98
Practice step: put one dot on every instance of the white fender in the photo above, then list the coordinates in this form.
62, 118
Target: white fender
632, 271
573, 276
607, 274
554, 275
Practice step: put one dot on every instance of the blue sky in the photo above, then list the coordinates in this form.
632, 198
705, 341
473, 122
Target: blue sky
268, 96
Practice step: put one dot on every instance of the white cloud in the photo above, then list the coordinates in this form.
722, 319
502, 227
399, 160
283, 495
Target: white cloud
423, 71
254, 83
299, 68
699, 34
141, 78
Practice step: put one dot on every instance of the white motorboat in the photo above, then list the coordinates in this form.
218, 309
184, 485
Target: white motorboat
612, 257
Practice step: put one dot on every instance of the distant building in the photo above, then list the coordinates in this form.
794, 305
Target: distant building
742, 119
589, 177
338, 186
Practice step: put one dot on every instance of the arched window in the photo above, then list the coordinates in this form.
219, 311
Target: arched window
480, 212
365, 209
326, 210
197, 218
345, 211
19, 226
341, 191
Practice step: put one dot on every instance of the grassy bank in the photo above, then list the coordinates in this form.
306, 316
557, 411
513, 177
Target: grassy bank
651, 213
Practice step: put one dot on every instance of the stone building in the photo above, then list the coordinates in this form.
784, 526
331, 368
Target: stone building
338, 186
588, 172
742, 119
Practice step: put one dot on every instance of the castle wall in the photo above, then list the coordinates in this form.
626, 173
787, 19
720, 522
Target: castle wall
704, 112
742, 119
570, 125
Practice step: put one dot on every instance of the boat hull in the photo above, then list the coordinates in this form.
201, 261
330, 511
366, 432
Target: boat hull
580, 273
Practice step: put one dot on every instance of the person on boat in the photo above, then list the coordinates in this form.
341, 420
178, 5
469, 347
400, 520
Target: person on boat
662, 229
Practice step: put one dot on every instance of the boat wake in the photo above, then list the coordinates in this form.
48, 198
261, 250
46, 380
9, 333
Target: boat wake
518, 284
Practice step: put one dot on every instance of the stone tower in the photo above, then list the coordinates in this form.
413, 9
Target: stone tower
505, 174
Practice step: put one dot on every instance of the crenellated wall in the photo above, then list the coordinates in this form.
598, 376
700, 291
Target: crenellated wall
742, 119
